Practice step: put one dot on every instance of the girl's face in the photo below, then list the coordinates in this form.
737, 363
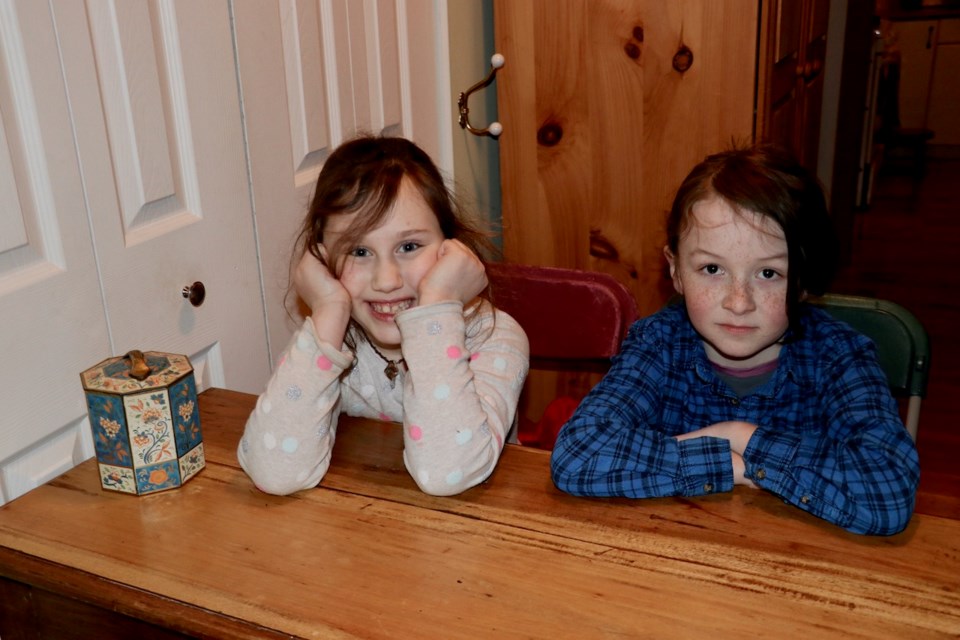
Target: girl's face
731, 269
383, 271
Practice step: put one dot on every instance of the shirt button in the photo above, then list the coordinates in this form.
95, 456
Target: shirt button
735, 402
805, 499
760, 474
708, 487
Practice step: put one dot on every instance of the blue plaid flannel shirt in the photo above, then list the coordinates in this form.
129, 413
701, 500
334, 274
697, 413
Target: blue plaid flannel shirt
829, 439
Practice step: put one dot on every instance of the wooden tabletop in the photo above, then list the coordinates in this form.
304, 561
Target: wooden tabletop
368, 555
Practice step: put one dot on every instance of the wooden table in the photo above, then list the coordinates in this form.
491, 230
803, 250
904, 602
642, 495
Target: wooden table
368, 555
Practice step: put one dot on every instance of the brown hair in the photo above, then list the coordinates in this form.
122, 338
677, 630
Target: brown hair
768, 180
363, 176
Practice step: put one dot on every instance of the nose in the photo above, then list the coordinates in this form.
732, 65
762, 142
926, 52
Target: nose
387, 276
739, 298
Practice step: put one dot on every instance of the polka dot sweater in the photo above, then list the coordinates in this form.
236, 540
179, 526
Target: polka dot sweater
457, 399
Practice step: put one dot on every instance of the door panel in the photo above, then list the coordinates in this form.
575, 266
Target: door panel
51, 310
791, 76
154, 97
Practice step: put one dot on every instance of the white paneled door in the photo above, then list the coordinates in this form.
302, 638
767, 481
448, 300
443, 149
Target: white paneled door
51, 314
146, 145
127, 181
153, 89
314, 73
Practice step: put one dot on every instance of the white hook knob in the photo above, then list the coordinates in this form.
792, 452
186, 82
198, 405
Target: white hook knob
497, 60
495, 129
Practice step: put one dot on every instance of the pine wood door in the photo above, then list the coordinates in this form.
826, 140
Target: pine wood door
606, 105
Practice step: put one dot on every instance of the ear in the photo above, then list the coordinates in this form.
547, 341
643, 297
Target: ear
674, 270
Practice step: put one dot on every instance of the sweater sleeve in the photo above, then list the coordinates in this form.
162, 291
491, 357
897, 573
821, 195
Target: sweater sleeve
289, 435
463, 383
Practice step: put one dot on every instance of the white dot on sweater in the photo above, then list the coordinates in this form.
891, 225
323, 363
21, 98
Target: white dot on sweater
269, 441
290, 444
367, 390
454, 476
303, 342
424, 476
500, 364
441, 392
464, 436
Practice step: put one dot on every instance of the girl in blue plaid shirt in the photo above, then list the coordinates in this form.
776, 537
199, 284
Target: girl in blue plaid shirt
745, 383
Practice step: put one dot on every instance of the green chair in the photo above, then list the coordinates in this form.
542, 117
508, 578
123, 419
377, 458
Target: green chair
902, 343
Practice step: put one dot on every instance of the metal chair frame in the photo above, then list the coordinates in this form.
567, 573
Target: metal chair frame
902, 344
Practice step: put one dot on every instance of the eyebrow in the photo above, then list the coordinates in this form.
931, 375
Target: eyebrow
697, 253
412, 232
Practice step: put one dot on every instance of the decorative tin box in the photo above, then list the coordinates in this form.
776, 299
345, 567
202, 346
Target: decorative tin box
145, 421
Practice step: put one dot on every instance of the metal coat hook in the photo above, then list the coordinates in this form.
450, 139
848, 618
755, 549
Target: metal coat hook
495, 128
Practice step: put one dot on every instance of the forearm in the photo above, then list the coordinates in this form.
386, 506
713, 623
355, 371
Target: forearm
864, 482
459, 400
614, 456
289, 435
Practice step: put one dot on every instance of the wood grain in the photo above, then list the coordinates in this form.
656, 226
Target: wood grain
368, 555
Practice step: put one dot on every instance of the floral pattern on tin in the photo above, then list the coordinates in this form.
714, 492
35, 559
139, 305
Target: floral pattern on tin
117, 478
157, 477
107, 422
151, 428
186, 415
191, 463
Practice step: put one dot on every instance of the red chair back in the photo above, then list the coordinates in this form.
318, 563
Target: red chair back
575, 320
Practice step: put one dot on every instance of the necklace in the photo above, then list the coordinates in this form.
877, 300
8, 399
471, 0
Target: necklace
392, 370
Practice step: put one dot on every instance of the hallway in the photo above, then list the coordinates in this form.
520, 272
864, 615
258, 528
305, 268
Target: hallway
904, 250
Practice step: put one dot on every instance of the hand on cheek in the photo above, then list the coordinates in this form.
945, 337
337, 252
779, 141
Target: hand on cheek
458, 274
327, 298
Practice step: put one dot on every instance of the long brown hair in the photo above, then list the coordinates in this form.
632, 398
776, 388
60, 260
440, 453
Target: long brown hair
363, 176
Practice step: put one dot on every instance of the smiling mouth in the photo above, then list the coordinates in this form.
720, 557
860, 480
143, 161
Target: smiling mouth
390, 308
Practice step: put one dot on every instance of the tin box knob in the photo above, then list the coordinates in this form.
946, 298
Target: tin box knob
195, 293
139, 369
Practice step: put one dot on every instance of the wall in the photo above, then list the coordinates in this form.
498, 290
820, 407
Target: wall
476, 159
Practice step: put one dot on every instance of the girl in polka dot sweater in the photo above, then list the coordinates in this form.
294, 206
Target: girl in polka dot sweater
399, 330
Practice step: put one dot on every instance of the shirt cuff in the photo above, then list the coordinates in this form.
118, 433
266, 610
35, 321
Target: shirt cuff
705, 466
769, 458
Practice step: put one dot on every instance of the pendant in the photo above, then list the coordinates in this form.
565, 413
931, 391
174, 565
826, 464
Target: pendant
391, 371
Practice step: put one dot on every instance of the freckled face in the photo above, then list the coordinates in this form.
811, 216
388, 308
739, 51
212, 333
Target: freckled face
383, 271
731, 269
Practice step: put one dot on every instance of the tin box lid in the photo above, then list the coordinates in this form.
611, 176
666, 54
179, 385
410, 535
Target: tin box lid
136, 371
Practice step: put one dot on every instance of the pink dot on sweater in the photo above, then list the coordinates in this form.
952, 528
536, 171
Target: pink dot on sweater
415, 432
474, 356
323, 363
283, 360
453, 352
385, 417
